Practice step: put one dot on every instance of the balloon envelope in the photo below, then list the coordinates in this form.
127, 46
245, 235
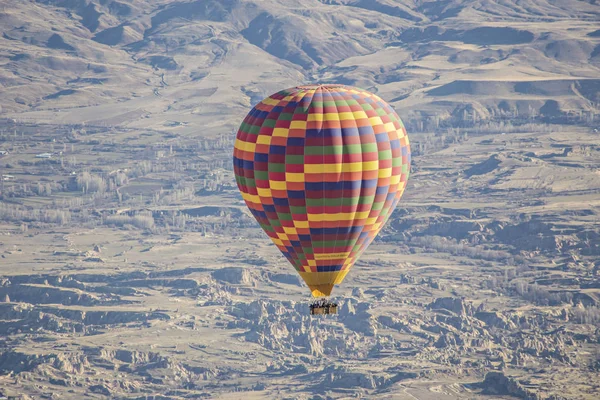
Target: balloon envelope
321, 168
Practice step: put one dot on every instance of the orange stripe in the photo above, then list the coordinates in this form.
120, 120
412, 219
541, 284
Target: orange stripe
279, 140
295, 185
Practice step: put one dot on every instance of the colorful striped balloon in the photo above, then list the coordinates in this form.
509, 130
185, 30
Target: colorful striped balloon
321, 168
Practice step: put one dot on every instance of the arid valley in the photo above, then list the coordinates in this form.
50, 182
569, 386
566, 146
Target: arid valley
130, 267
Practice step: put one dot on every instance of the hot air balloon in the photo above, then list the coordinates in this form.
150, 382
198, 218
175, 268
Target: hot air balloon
321, 168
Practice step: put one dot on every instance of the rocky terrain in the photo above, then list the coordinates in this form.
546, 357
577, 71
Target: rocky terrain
130, 268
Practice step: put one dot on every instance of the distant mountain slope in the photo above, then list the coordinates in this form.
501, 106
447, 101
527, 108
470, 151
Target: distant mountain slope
206, 61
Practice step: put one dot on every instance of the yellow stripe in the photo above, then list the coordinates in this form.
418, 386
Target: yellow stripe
252, 198
345, 167
271, 102
331, 116
337, 216
385, 173
331, 256
370, 221
306, 268
321, 278
375, 121
294, 177
370, 165
290, 230
315, 117
312, 263
359, 115
323, 168
263, 139
394, 179
245, 146
344, 116
301, 224
352, 167
281, 132
282, 236
390, 127
298, 125
264, 192
277, 242
277, 185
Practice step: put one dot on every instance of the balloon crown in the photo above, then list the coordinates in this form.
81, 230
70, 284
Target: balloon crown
319, 85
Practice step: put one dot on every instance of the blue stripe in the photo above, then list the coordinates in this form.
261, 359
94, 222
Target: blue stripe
273, 149
382, 189
333, 231
329, 268
296, 194
353, 131
295, 141
249, 165
280, 202
382, 137
261, 157
365, 130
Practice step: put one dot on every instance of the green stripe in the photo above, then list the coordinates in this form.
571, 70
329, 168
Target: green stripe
377, 206
275, 167
267, 228
297, 210
352, 149
369, 147
294, 159
284, 216
244, 127
261, 175
385, 155
366, 199
315, 202
285, 116
320, 150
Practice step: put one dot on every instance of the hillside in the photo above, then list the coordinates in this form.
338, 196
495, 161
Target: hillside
203, 63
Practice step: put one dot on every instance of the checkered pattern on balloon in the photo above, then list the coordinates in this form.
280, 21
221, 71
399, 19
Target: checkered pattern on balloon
321, 168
